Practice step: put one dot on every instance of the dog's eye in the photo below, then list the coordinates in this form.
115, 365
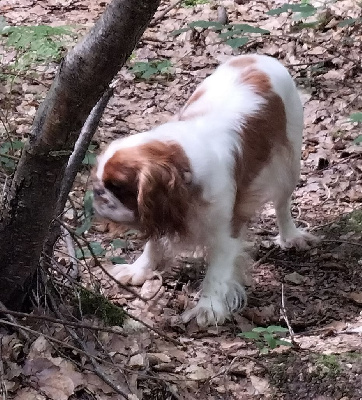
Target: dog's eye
118, 188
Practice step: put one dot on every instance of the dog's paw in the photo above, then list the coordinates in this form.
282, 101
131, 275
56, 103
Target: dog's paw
216, 308
299, 239
206, 312
131, 274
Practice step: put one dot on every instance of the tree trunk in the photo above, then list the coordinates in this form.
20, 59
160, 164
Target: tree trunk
83, 76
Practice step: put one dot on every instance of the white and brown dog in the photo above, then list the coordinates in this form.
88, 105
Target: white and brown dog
198, 179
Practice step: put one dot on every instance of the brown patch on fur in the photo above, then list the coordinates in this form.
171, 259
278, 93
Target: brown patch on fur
261, 134
153, 180
258, 79
120, 177
242, 61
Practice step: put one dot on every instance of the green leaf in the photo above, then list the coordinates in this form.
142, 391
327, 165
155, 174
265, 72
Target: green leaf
88, 212
358, 140
348, 22
3, 24
270, 339
279, 10
118, 260
259, 329
35, 43
87, 223
89, 158
206, 24
302, 8
249, 29
17, 144
96, 247
276, 328
193, 3
264, 350
179, 31
119, 244
149, 72
311, 24
88, 202
82, 253
237, 42
250, 335
356, 117
164, 66
305, 10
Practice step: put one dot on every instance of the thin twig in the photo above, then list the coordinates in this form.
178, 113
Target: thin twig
309, 63
342, 241
10, 157
48, 337
65, 322
283, 313
11, 318
164, 12
265, 257
99, 265
74, 273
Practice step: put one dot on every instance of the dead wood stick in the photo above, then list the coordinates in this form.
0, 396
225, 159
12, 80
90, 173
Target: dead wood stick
164, 12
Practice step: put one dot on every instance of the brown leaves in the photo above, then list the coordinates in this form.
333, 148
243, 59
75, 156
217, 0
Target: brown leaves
53, 376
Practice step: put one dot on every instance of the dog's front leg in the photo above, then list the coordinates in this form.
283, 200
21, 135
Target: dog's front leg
143, 268
222, 290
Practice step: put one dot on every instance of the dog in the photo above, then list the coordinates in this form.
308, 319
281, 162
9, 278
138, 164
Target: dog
198, 179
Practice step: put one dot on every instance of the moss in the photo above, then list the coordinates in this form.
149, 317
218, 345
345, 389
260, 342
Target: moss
355, 220
96, 304
192, 3
328, 364
351, 222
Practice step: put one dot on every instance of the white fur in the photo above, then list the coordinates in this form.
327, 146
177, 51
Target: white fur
209, 142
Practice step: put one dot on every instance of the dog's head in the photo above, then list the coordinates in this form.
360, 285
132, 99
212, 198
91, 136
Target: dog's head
145, 186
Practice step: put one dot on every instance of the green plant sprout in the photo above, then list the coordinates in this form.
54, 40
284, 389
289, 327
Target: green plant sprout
34, 44
356, 117
193, 3
146, 70
237, 35
266, 338
232, 34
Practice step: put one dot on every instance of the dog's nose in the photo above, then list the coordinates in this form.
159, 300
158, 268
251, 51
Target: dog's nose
99, 191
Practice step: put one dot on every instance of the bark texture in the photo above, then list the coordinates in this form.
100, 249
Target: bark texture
82, 78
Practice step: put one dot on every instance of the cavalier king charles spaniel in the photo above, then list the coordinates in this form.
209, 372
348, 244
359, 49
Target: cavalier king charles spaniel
198, 179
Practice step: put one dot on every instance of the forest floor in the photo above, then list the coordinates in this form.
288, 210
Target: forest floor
317, 292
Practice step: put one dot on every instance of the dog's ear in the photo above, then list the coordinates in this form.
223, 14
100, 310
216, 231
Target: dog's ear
163, 198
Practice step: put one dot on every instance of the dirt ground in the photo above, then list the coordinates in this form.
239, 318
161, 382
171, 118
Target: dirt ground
319, 291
